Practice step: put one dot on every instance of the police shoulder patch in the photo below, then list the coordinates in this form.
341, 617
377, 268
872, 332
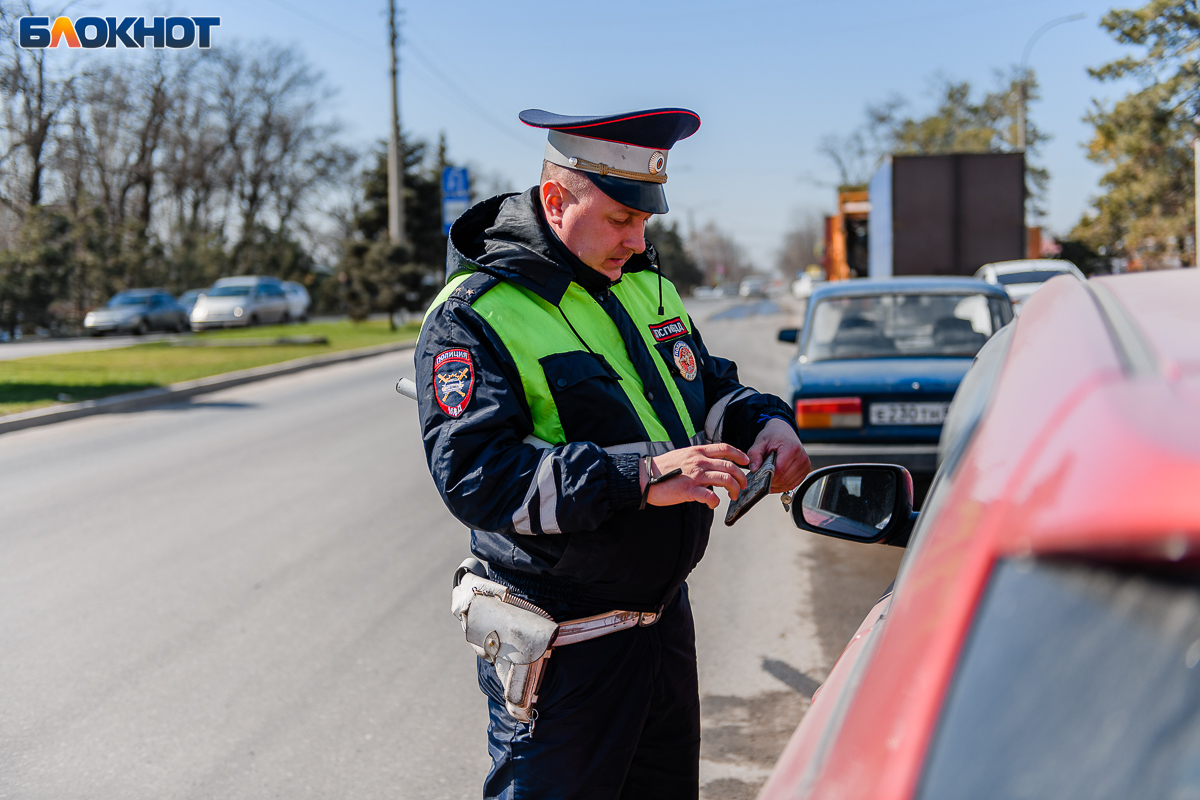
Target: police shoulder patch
453, 380
666, 331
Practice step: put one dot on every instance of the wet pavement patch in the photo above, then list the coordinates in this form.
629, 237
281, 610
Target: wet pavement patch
729, 789
848, 579
749, 731
760, 308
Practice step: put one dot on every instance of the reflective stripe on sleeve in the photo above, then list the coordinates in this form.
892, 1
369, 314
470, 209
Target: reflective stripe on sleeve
714, 423
543, 493
653, 448
548, 489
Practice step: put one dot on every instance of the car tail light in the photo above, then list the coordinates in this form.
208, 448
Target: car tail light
830, 412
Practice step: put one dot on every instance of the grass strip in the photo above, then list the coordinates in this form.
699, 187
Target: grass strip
41, 381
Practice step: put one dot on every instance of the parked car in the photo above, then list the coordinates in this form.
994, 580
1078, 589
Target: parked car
1022, 278
880, 360
241, 301
187, 300
1043, 635
802, 287
137, 311
752, 287
298, 300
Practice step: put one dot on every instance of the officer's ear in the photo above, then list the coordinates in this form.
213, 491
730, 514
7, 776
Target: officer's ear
555, 198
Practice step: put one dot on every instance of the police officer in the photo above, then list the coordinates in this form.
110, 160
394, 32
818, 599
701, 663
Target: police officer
575, 421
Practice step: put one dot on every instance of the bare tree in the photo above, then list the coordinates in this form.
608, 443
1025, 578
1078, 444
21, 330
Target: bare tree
719, 257
800, 245
33, 98
162, 168
278, 149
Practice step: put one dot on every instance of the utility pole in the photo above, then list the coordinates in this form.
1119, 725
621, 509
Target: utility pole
1196, 197
395, 165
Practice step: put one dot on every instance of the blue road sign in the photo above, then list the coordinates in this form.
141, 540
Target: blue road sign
456, 195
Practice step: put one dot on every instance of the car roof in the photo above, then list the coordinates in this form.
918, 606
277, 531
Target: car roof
245, 280
1089, 449
1023, 265
914, 285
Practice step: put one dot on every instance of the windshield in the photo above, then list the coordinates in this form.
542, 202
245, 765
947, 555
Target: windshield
1078, 681
129, 300
902, 325
229, 291
1028, 276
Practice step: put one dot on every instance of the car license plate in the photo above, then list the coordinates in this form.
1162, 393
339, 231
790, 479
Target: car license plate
908, 413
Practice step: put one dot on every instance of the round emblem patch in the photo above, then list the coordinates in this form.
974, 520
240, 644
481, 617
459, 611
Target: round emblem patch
453, 379
657, 162
685, 360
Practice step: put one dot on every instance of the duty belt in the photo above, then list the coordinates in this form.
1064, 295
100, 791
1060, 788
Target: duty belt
580, 630
518, 637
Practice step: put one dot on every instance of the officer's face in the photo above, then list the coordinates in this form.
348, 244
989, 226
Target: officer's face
599, 230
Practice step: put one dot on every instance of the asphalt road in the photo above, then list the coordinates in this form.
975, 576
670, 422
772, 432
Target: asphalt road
247, 596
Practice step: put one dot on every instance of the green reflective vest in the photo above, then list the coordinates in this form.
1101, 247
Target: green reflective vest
533, 329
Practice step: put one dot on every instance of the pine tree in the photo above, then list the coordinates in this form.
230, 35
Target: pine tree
1147, 211
378, 275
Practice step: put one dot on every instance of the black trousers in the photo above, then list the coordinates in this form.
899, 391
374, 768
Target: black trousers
617, 717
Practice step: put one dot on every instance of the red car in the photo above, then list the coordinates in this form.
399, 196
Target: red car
1043, 636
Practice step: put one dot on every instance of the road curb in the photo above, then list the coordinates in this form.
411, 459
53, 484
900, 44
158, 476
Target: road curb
161, 395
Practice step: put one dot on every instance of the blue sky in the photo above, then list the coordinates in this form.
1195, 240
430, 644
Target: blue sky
769, 80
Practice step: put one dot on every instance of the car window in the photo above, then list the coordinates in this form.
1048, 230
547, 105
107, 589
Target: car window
971, 399
1078, 680
229, 291
129, 300
1028, 276
902, 325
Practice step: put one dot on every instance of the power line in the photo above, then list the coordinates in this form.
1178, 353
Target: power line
323, 25
460, 94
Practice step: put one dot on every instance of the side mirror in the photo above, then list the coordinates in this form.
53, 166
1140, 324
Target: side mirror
789, 335
861, 502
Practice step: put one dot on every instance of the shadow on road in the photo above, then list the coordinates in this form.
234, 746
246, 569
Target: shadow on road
191, 404
63, 392
790, 676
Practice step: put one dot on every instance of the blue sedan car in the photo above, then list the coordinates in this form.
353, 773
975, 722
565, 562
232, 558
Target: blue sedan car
879, 362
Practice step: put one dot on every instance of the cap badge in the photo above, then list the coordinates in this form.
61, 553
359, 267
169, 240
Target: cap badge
684, 360
657, 162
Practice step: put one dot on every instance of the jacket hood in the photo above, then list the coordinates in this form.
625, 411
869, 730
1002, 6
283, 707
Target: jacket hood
504, 236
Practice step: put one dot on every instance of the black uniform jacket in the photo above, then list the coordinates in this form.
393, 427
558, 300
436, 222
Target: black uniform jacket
562, 523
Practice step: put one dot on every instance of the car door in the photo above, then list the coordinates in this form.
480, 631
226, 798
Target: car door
265, 309
279, 302
801, 759
159, 312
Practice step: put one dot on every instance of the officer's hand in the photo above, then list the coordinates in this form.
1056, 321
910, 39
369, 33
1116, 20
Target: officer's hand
791, 462
703, 466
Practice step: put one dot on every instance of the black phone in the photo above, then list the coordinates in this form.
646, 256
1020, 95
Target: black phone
758, 486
